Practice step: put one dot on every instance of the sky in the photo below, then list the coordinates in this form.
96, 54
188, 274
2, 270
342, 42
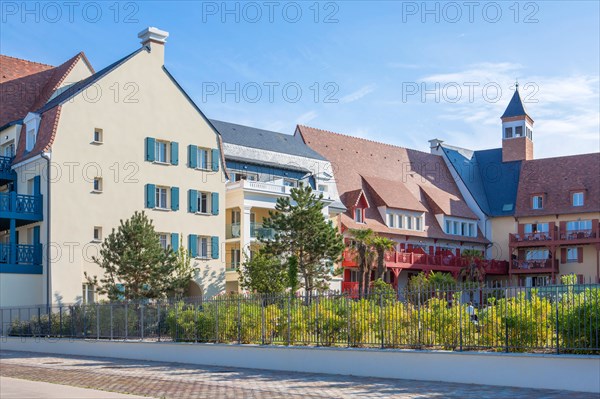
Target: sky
400, 72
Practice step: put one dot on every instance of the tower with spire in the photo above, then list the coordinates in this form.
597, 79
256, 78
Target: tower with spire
517, 130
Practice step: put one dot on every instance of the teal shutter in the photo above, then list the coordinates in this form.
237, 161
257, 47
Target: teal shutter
37, 247
214, 203
193, 245
150, 149
174, 153
150, 196
37, 185
175, 242
193, 201
214, 247
174, 198
214, 158
192, 156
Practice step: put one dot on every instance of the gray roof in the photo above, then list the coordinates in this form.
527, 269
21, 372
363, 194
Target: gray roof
492, 183
264, 139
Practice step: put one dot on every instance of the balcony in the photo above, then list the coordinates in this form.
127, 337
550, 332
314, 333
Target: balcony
23, 259
258, 231
557, 236
24, 208
268, 188
534, 266
233, 230
6, 173
447, 263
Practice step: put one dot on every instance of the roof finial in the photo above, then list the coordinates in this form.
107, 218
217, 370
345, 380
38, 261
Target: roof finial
517, 84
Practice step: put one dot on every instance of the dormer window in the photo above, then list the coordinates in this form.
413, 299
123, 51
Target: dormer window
537, 202
578, 198
507, 132
30, 139
358, 215
32, 124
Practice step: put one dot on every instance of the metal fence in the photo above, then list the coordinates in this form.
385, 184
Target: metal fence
551, 319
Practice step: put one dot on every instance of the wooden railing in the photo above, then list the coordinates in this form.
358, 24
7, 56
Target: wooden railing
430, 262
534, 265
555, 233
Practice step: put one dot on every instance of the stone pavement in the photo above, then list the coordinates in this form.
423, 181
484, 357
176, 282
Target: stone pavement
173, 380
13, 388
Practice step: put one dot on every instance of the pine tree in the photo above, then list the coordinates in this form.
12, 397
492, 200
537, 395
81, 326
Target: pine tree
263, 273
137, 266
302, 232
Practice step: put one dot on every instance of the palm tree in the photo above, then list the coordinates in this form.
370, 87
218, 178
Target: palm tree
364, 255
472, 273
381, 245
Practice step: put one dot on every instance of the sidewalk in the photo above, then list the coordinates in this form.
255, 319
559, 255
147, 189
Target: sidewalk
184, 381
12, 388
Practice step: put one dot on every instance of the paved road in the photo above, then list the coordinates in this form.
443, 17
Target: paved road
12, 388
171, 380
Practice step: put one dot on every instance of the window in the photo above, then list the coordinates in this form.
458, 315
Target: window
572, 254
98, 136
97, 233
290, 183
391, 217
532, 228
30, 139
160, 151
235, 258
456, 228
409, 223
237, 175
519, 131
578, 225
203, 160
97, 184
400, 221
161, 198
164, 240
507, 132
418, 224
464, 228
203, 202
88, 293
322, 188
9, 150
537, 202
536, 254
358, 215
203, 245
578, 199
472, 230
448, 227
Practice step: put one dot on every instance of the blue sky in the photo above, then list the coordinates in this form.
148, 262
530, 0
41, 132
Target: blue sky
387, 71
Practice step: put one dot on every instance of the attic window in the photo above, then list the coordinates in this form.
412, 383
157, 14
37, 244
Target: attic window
537, 202
358, 215
507, 207
30, 139
578, 198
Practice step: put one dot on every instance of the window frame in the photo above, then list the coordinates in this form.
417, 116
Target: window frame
158, 144
97, 186
167, 240
359, 214
578, 194
98, 136
158, 197
534, 204
203, 251
208, 204
97, 237
207, 160
571, 250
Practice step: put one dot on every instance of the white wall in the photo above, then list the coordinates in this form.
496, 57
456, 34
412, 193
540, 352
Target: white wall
567, 372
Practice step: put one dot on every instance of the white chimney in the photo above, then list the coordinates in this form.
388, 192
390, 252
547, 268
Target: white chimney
154, 40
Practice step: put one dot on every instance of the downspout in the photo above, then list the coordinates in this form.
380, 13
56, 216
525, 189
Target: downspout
46, 156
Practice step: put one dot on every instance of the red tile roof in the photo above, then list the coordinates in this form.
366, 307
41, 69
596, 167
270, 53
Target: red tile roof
402, 176
555, 179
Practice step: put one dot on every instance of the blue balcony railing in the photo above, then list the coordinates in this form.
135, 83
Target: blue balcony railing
6, 173
21, 258
19, 206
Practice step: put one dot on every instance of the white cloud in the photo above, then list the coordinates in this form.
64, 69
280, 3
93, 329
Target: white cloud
358, 94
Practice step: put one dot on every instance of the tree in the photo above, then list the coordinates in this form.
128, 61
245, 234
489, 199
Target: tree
364, 256
472, 273
263, 273
302, 231
381, 245
135, 264
183, 273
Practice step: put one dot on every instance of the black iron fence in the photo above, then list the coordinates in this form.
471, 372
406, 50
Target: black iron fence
550, 319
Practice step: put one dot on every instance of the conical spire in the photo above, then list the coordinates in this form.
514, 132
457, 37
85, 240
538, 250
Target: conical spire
515, 106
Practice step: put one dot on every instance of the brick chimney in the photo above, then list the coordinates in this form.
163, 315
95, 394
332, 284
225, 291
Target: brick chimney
154, 39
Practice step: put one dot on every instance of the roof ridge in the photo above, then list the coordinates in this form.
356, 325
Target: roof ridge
252, 127
23, 59
367, 140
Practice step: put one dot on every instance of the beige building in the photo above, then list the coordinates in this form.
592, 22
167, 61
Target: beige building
262, 166
82, 150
